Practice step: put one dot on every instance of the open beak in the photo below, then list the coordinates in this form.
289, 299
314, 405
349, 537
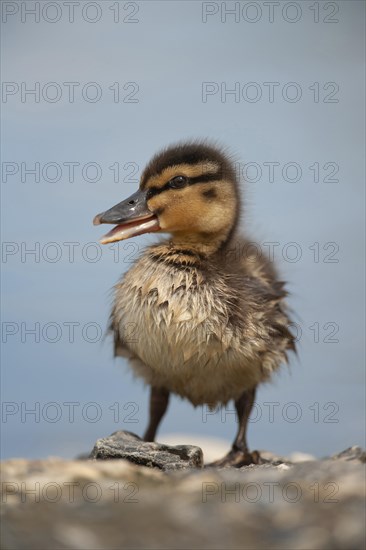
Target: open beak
132, 217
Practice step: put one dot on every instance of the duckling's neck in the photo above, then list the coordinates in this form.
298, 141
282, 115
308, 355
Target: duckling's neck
203, 244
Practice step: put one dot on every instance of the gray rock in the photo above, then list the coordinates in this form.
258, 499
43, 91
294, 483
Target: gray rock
129, 446
352, 453
107, 504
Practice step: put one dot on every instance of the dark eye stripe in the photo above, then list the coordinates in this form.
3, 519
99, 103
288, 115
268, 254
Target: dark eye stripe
152, 191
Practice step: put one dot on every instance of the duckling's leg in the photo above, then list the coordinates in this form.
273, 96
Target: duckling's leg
239, 454
159, 399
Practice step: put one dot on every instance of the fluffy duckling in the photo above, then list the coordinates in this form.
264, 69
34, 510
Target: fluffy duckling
199, 314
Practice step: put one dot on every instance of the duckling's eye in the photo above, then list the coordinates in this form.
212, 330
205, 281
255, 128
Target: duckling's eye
178, 182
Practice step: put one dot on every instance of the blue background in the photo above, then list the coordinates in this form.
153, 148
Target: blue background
169, 52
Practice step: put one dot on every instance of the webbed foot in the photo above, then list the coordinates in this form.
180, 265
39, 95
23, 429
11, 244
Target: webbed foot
237, 458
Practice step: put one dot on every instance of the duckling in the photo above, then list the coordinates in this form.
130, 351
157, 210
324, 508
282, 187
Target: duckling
200, 314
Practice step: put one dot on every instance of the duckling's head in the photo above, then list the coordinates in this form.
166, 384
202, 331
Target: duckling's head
189, 190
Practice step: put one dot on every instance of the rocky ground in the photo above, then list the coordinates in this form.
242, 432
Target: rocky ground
159, 496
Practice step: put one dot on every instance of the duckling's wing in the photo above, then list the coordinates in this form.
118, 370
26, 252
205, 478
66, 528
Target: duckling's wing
264, 295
